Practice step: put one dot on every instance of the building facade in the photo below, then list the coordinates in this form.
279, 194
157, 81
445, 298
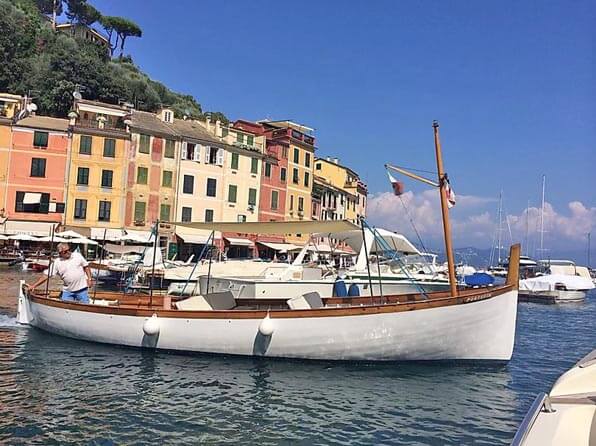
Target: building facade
96, 170
36, 170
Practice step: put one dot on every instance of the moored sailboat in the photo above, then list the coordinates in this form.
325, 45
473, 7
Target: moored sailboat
454, 324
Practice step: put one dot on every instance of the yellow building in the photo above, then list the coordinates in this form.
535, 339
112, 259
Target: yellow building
9, 107
341, 193
96, 168
10, 104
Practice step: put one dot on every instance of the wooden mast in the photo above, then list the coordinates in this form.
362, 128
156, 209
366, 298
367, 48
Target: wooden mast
445, 212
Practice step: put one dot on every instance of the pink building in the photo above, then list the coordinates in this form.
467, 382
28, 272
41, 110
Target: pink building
37, 170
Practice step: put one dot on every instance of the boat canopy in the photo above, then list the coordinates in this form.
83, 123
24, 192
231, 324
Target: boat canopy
397, 242
549, 281
275, 227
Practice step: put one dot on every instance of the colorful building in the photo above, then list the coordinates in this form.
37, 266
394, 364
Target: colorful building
36, 172
152, 176
338, 191
9, 106
97, 166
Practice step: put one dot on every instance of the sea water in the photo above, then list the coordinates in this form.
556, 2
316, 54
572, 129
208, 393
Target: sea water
55, 390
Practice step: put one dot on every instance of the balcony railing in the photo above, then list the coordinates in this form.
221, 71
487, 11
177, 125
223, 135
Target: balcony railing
94, 124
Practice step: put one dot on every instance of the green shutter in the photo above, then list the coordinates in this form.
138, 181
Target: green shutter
234, 161
144, 143
254, 165
274, 199
85, 146
140, 210
167, 178
252, 197
40, 139
232, 191
109, 147
239, 137
142, 175
170, 148
250, 140
164, 212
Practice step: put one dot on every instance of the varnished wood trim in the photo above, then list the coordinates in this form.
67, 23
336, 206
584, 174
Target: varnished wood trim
141, 308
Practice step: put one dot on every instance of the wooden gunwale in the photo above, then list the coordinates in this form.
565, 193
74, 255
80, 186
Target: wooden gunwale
435, 300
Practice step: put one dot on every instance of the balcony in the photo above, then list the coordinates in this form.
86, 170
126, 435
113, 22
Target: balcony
254, 147
95, 124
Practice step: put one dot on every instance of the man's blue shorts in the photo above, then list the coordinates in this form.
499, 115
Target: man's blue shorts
81, 296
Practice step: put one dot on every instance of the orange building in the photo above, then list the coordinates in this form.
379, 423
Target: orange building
36, 171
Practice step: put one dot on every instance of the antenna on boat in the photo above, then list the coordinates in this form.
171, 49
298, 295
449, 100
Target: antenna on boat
443, 182
155, 247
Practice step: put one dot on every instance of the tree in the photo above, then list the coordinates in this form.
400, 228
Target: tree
50, 7
110, 24
79, 11
124, 28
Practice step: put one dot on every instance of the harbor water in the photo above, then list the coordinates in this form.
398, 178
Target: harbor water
55, 390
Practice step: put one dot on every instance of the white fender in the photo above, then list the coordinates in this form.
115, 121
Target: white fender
267, 326
151, 326
23, 309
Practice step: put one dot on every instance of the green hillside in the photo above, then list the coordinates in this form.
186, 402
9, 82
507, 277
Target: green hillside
49, 65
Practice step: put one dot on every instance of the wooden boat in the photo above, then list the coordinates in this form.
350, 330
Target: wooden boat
458, 324
567, 415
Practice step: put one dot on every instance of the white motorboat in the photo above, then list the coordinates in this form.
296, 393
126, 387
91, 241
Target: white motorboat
554, 288
455, 324
567, 415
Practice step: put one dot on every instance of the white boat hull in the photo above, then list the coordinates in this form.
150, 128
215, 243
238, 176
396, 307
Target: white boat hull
553, 296
480, 330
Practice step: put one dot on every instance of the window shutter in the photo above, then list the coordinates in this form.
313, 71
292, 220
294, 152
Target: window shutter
197, 154
220, 157
207, 153
184, 147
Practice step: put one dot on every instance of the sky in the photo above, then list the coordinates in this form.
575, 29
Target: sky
511, 83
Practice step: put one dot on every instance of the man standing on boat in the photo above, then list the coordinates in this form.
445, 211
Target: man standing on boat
74, 271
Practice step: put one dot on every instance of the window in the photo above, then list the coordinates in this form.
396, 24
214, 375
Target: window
80, 209
188, 152
140, 210
208, 215
85, 145
109, 148
106, 178
186, 214
284, 153
142, 175
254, 165
234, 164
241, 218
318, 166
274, 199
164, 212
296, 156
239, 137
268, 170
189, 184
166, 178
38, 167
224, 132
83, 176
252, 197
232, 191
282, 174
35, 203
105, 208
307, 159
250, 140
300, 204
291, 202
306, 179
295, 177
170, 151
144, 143
40, 139
214, 156
211, 187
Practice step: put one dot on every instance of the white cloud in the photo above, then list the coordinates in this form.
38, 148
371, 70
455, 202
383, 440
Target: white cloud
473, 224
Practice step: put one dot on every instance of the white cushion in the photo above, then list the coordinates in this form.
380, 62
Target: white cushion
307, 301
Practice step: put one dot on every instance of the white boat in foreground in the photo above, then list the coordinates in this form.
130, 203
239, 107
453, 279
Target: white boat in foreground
567, 415
554, 288
454, 324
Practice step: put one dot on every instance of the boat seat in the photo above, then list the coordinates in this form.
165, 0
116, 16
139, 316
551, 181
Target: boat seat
214, 301
307, 301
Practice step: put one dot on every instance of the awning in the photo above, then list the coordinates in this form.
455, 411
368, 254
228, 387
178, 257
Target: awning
281, 247
37, 228
120, 235
110, 234
275, 227
194, 236
32, 198
393, 240
239, 241
69, 234
123, 249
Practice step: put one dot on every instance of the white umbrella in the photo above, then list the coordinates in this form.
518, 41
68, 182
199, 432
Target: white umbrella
69, 234
82, 241
21, 237
49, 239
3, 237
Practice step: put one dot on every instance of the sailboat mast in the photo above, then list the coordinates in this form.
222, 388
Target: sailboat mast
527, 228
542, 217
445, 212
500, 226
